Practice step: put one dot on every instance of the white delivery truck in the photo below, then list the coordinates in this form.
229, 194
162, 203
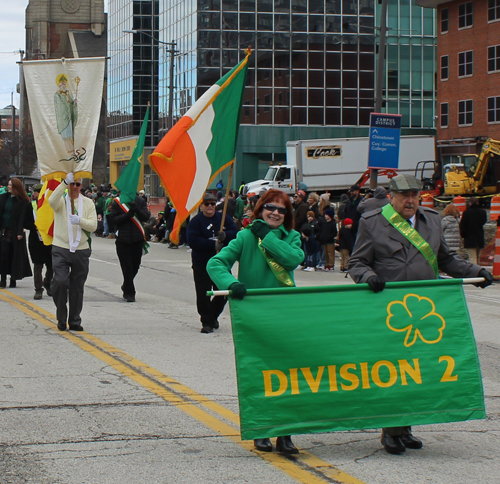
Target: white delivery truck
335, 165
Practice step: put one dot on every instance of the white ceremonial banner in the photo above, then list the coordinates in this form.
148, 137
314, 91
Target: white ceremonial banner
65, 97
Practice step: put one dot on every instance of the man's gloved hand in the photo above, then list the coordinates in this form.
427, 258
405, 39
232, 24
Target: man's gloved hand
376, 283
488, 279
260, 228
221, 236
70, 178
238, 290
218, 246
74, 219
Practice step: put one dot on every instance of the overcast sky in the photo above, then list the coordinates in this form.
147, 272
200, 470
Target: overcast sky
12, 39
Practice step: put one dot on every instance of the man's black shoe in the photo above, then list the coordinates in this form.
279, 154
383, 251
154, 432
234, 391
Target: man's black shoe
285, 445
207, 329
130, 298
12, 282
216, 324
76, 327
47, 288
61, 325
411, 442
264, 445
392, 444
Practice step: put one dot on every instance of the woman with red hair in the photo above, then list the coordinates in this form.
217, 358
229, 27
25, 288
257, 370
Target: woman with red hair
15, 215
268, 251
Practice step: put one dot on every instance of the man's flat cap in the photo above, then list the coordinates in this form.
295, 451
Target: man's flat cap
405, 183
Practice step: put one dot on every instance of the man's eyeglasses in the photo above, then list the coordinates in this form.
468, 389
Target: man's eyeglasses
77, 184
209, 204
272, 208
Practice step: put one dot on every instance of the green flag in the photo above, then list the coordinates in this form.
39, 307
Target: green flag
344, 358
128, 181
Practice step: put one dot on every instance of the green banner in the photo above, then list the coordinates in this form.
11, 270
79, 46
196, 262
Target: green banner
343, 358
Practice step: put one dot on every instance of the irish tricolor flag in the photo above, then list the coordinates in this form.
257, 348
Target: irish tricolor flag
201, 144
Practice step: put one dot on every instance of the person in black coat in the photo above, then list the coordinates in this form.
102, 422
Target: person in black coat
41, 254
15, 216
128, 219
205, 237
472, 230
326, 237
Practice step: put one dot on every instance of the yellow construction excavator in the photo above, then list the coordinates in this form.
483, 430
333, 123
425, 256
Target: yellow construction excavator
475, 174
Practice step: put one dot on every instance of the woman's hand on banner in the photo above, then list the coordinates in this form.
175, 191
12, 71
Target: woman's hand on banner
238, 290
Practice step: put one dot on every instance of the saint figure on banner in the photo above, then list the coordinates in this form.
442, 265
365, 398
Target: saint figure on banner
66, 113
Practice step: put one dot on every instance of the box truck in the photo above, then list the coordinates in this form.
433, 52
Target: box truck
335, 165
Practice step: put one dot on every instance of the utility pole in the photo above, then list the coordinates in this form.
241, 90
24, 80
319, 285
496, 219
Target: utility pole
172, 52
21, 112
13, 152
380, 77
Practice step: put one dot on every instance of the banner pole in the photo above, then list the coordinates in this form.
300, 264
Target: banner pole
470, 280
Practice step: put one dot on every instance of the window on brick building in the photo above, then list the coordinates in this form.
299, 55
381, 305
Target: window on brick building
494, 109
444, 67
465, 63
445, 20
494, 58
493, 10
465, 15
465, 117
443, 115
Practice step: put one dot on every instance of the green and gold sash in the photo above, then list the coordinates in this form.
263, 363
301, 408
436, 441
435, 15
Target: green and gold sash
277, 269
405, 229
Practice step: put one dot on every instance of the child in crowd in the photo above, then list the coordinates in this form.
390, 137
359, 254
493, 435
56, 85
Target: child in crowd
327, 234
311, 246
312, 222
346, 243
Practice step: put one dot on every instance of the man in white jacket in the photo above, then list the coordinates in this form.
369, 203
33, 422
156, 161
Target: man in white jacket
70, 250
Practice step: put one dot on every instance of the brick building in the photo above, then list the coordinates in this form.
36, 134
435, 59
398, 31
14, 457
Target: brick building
468, 74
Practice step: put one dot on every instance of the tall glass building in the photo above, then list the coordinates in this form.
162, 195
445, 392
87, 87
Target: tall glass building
312, 70
133, 68
410, 78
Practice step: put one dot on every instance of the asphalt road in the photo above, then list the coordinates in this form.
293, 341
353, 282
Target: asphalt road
143, 397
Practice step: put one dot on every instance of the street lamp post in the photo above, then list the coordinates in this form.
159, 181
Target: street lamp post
172, 53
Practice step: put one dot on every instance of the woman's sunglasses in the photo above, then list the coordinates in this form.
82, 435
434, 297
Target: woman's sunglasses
272, 208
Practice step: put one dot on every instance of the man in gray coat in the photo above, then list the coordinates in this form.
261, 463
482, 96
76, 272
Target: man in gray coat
382, 253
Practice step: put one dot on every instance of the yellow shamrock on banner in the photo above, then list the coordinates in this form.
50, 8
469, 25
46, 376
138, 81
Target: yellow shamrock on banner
417, 316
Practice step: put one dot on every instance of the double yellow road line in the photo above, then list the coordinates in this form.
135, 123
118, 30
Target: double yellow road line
305, 467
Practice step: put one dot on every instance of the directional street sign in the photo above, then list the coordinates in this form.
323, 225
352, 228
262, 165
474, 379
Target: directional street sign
383, 150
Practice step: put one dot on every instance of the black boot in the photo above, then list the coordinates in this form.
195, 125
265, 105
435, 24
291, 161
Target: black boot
264, 445
3, 281
285, 445
12, 282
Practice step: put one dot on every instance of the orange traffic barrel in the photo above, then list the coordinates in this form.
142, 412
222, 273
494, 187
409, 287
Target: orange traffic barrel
496, 259
495, 208
427, 201
460, 203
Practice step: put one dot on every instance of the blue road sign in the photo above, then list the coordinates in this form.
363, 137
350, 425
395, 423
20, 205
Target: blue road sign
383, 150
